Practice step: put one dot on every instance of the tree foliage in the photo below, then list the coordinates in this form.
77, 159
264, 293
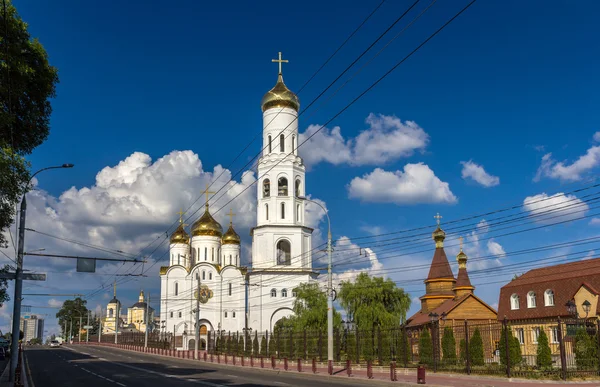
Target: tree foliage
476, 349
4, 286
374, 302
586, 354
425, 348
514, 349
263, 346
462, 351
27, 83
72, 310
544, 355
310, 309
255, 344
449, 346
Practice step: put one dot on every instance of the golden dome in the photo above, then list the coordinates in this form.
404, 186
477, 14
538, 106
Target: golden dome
280, 96
180, 236
207, 226
438, 236
231, 237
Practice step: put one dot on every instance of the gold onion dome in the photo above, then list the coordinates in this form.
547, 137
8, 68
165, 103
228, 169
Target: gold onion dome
231, 237
280, 96
438, 235
180, 236
207, 226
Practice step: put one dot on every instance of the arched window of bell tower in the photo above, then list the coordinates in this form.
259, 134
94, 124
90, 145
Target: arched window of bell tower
270, 141
282, 143
266, 188
284, 252
294, 144
297, 188
282, 187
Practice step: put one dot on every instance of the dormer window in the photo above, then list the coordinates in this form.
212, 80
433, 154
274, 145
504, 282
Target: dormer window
549, 297
531, 300
514, 302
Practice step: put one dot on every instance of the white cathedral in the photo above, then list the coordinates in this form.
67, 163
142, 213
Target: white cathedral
207, 264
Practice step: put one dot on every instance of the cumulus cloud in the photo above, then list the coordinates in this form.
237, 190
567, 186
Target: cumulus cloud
495, 248
130, 206
564, 171
475, 249
559, 207
386, 139
476, 172
351, 252
417, 184
595, 222
55, 303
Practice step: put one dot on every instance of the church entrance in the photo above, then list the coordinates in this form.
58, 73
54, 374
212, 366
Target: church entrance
191, 344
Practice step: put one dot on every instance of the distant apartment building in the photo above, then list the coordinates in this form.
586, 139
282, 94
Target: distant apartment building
32, 327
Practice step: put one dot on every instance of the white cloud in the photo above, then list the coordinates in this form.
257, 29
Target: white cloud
417, 184
495, 249
477, 173
387, 139
595, 222
570, 172
351, 252
556, 208
55, 303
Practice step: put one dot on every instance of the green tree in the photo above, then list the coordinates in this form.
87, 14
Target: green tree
4, 285
72, 310
240, 346
462, 350
374, 302
544, 355
425, 348
514, 348
255, 344
476, 349
27, 84
586, 355
263, 346
310, 310
36, 341
449, 346
404, 350
218, 345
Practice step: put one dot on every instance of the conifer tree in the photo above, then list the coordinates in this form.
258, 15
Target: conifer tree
544, 355
449, 346
425, 348
255, 344
463, 350
263, 346
476, 349
586, 356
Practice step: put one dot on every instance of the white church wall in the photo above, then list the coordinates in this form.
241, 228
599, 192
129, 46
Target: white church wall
206, 249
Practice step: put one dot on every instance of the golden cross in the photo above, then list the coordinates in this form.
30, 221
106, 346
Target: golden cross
180, 213
280, 61
115, 289
460, 239
437, 218
231, 214
207, 192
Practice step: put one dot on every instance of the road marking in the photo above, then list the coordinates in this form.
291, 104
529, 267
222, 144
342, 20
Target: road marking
232, 376
201, 382
282, 383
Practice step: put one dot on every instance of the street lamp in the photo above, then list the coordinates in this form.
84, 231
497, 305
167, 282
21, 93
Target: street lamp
586, 307
571, 308
14, 353
329, 286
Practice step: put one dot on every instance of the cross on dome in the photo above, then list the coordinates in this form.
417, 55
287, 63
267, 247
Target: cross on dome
181, 213
231, 215
460, 240
438, 217
207, 193
280, 61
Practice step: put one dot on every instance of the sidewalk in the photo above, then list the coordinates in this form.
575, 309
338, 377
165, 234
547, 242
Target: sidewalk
379, 374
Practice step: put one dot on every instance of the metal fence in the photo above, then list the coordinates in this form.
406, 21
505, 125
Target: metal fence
552, 348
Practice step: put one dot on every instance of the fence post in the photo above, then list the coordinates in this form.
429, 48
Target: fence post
393, 376
299, 365
506, 346
467, 354
268, 344
370, 369
262, 362
314, 365
349, 367
320, 345
273, 362
561, 348
405, 339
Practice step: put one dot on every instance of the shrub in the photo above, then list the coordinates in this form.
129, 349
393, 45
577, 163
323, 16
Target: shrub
449, 346
585, 350
425, 348
463, 350
263, 346
514, 349
544, 355
476, 349
255, 344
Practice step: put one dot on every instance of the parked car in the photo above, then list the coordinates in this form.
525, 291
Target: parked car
2, 353
54, 344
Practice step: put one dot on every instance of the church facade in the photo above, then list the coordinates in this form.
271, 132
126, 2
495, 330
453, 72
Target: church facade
205, 264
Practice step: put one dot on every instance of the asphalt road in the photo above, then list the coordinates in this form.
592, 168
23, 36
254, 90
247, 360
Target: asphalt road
102, 366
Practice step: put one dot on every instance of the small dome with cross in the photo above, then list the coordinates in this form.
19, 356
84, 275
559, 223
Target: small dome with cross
280, 96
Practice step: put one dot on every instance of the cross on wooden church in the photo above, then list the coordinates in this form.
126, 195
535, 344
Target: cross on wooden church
207, 192
438, 217
280, 61
231, 215
460, 240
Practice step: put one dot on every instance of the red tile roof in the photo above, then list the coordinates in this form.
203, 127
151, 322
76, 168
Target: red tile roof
440, 268
564, 280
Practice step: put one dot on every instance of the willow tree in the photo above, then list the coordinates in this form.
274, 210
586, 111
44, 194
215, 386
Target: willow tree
310, 310
374, 302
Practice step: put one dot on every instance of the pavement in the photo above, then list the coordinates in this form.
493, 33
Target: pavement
95, 366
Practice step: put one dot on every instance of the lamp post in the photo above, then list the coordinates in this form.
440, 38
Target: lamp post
14, 353
586, 308
434, 317
329, 285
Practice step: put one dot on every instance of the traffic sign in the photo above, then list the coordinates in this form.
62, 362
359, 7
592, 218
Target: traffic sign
25, 276
88, 327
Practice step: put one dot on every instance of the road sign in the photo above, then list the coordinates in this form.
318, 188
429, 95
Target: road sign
25, 276
88, 327
86, 265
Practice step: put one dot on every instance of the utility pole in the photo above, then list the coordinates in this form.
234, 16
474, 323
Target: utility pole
14, 350
70, 331
87, 331
100, 328
329, 303
147, 317
117, 323
80, 321
197, 320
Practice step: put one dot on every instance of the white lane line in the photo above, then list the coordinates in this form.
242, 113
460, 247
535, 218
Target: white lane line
232, 376
201, 382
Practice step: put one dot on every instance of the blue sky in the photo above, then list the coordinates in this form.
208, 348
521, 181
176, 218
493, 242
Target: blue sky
505, 84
